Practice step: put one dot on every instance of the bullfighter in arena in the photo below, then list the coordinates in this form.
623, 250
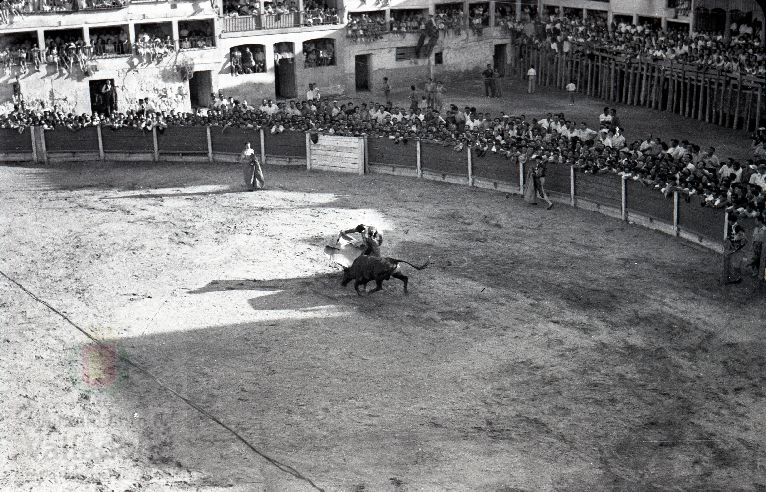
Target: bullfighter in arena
252, 169
347, 248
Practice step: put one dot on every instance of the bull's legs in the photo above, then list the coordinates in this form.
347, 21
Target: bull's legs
378, 286
357, 283
403, 278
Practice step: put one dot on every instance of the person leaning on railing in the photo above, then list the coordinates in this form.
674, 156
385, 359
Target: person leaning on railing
678, 168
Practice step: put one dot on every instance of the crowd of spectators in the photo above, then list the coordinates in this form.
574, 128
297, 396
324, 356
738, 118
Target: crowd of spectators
9, 9
314, 13
407, 22
450, 19
247, 59
366, 27
667, 166
319, 53
740, 51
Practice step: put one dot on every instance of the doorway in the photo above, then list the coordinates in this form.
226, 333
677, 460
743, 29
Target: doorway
102, 101
500, 58
362, 72
284, 71
200, 88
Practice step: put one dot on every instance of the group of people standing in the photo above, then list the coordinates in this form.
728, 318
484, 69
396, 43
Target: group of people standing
491, 77
432, 99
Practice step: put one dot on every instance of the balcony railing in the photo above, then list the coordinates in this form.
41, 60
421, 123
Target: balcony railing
280, 21
110, 50
59, 7
196, 42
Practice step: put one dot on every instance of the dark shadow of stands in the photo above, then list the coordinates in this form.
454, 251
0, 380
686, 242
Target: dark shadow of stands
177, 195
287, 383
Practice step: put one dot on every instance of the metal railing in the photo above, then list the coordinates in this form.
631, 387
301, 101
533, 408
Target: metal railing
281, 21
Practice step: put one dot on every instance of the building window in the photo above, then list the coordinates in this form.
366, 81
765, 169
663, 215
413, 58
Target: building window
404, 53
319, 53
110, 41
407, 20
247, 59
438, 58
196, 34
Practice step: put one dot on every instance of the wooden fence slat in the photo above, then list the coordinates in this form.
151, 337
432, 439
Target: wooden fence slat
735, 123
722, 95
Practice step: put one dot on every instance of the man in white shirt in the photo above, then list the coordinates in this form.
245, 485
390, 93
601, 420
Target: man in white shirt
618, 141
312, 94
758, 178
571, 88
605, 117
532, 76
676, 151
546, 122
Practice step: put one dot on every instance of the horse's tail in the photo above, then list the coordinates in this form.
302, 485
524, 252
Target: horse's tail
416, 267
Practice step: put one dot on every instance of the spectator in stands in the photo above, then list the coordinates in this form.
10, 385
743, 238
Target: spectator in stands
681, 169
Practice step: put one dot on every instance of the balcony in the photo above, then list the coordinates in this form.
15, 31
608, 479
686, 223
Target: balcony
57, 7
287, 20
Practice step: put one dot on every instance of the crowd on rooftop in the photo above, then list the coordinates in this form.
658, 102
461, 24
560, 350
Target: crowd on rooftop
9, 9
739, 50
314, 13
665, 164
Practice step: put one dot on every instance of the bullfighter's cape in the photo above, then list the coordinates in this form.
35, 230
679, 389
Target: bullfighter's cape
345, 250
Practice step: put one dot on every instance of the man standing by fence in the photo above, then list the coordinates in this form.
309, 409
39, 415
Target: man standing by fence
532, 76
487, 75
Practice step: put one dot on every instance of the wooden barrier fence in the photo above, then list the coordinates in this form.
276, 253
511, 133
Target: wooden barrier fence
721, 98
606, 193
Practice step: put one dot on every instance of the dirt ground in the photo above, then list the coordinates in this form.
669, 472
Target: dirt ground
541, 350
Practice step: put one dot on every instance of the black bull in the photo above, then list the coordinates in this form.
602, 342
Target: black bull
368, 268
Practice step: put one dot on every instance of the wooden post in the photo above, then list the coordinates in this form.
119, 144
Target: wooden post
100, 143
263, 147
43, 148
735, 123
730, 113
676, 230
722, 95
366, 156
701, 99
671, 90
418, 166
762, 270
645, 85
611, 80
624, 198
469, 161
748, 110
308, 151
710, 101
156, 146
32, 130
579, 72
624, 78
726, 256
682, 105
758, 107
630, 84
587, 76
209, 144
572, 185
521, 176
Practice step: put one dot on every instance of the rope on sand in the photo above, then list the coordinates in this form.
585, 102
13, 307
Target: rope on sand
281, 466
